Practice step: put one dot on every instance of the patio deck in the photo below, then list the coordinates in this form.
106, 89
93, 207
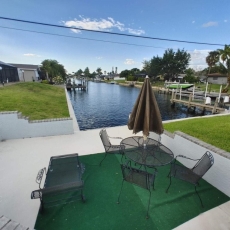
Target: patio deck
20, 160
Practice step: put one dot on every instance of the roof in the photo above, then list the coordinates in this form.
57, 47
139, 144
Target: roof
3, 63
217, 75
25, 66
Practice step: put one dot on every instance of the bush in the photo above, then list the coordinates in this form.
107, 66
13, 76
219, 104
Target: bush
141, 79
130, 78
44, 82
58, 80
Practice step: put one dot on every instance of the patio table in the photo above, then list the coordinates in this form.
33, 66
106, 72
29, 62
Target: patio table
150, 152
64, 176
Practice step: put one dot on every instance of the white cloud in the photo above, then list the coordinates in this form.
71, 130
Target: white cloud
198, 59
209, 24
225, 20
31, 55
99, 58
129, 61
193, 22
102, 24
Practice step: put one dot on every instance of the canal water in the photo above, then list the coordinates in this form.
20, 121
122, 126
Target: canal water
109, 105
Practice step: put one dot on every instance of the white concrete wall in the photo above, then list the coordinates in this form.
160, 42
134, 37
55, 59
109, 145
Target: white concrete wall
183, 144
14, 126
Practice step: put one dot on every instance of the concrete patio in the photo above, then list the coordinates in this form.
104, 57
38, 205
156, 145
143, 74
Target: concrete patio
20, 160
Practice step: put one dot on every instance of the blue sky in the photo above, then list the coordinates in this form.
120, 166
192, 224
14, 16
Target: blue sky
200, 21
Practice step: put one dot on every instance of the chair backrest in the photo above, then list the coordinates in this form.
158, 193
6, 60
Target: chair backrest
105, 139
204, 164
138, 177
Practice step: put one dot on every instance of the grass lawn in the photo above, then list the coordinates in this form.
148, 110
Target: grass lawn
211, 87
34, 100
213, 130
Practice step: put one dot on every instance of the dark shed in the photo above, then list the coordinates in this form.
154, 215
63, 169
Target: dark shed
8, 73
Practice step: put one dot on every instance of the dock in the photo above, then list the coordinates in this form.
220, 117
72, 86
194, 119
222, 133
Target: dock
72, 85
79, 87
191, 104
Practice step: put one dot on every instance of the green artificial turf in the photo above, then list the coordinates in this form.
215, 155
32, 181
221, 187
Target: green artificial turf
101, 211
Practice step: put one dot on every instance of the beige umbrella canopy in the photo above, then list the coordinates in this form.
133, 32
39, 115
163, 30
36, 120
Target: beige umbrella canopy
146, 115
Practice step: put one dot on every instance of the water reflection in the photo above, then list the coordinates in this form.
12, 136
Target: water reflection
109, 105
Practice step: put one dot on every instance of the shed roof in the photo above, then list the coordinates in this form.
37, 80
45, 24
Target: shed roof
25, 66
3, 63
217, 75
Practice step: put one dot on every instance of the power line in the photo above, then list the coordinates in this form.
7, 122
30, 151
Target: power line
91, 39
113, 33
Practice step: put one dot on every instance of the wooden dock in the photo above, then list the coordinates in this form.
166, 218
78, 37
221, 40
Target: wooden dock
191, 104
79, 87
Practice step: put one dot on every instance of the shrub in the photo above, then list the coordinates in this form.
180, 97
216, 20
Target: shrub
58, 80
130, 78
44, 82
141, 79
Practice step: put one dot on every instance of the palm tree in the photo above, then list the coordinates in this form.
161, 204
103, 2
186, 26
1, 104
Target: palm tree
225, 57
212, 58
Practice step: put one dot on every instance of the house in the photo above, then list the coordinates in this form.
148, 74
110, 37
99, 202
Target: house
8, 73
27, 72
180, 77
217, 78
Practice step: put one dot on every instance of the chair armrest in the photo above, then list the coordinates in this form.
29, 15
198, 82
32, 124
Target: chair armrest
116, 137
39, 176
55, 189
187, 158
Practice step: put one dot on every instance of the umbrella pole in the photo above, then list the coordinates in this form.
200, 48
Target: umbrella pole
145, 140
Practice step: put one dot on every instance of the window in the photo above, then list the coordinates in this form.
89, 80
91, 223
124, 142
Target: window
215, 78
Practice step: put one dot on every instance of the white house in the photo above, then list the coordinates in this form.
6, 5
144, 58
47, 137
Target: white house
27, 72
217, 78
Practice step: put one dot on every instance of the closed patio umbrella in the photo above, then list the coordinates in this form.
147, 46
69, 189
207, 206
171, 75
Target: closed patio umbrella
146, 115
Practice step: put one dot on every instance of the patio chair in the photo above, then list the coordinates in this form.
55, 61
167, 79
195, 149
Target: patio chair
109, 148
137, 177
194, 174
63, 181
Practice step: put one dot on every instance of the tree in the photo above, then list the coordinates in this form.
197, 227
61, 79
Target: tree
79, 72
53, 69
190, 76
212, 58
92, 75
156, 66
170, 65
225, 57
174, 63
87, 72
99, 71
146, 66
124, 73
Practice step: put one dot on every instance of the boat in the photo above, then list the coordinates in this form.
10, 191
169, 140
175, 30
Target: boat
112, 82
178, 86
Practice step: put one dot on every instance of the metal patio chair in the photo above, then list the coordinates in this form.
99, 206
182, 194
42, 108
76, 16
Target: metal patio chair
191, 175
63, 181
137, 177
109, 148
